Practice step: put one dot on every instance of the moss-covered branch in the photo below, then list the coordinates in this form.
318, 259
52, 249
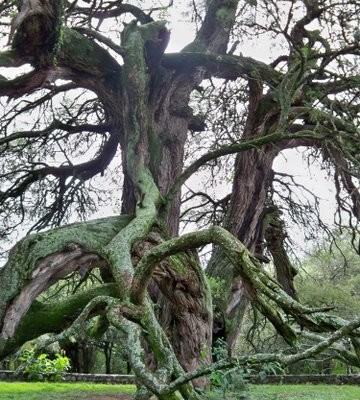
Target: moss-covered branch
168, 366
259, 282
52, 317
97, 304
338, 350
118, 251
216, 26
85, 56
263, 358
89, 238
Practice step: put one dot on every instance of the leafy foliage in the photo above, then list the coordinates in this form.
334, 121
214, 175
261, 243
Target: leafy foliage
39, 367
338, 271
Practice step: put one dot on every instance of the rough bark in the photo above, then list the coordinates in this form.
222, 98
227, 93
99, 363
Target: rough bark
275, 243
253, 173
183, 301
22, 274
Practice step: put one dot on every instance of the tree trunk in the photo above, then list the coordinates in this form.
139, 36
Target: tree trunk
108, 353
154, 290
253, 174
160, 130
275, 241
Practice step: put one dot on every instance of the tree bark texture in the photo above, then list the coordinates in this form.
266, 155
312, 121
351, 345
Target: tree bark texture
252, 180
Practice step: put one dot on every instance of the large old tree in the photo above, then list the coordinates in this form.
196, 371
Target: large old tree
87, 88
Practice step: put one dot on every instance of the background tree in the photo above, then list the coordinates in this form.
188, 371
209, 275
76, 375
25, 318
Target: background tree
326, 277
94, 78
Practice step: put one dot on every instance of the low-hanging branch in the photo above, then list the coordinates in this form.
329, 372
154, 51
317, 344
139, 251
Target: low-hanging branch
338, 349
263, 358
249, 269
52, 317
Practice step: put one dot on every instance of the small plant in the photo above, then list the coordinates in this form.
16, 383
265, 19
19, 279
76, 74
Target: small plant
271, 368
217, 287
230, 384
41, 367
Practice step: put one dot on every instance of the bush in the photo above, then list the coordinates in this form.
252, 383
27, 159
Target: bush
41, 367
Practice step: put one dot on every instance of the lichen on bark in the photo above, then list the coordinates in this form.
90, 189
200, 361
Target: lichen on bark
28, 253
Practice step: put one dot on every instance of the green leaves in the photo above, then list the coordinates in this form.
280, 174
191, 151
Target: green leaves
41, 367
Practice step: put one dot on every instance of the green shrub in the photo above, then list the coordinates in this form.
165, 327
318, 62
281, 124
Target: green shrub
41, 367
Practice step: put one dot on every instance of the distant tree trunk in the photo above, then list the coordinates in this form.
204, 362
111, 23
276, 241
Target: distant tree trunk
82, 356
108, 353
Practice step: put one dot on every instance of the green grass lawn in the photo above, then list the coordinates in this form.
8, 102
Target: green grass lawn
72, 391
52, 391
305, 392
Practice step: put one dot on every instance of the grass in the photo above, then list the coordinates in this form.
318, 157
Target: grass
72, 391
52, 391
304, 392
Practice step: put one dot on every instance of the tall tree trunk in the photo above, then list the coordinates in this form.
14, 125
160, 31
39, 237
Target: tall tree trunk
108, 353
157, 122
253, 174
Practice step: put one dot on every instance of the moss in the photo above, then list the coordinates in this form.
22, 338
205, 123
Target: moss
267, 104
53, 316
177, 264
92, 236
59, 33
85, 55
217, 287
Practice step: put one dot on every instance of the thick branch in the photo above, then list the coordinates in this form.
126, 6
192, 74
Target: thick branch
42, 250
24, 84
48, 271
223, 66
271, 139
101, 38
248, 268
214, 32
52, 317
